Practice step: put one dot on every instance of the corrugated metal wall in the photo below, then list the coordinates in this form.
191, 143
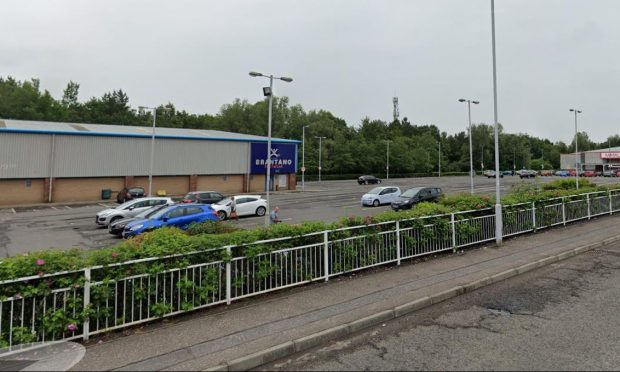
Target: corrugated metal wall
24, 156
28, 156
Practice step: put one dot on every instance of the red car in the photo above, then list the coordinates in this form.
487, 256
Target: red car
589, 174
618, 174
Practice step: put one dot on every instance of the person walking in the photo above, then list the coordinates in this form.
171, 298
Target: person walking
233, 209
273, 216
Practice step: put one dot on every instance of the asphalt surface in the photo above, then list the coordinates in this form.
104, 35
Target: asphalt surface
66, 226
559, 317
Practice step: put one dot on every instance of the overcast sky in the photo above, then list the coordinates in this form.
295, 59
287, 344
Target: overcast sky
346, 56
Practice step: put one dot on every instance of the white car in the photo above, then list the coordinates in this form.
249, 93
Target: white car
129, 209
380, 195
247, 205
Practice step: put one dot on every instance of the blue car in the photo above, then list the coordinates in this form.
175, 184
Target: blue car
181, 216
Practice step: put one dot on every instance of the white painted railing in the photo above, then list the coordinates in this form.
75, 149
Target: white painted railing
77, 304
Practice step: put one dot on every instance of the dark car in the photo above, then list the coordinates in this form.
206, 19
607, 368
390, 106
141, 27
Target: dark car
527, 173
366, 180
411, 197
117, 227
203, 197
129, 194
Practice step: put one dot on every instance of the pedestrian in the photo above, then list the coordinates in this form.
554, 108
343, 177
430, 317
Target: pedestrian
273, 216
233, 209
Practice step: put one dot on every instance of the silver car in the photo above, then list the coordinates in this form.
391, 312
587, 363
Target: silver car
129, 209
380, 195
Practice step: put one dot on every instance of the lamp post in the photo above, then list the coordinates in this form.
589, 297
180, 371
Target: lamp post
320, 147
303, 157
471, 156
576, 152
269, 92
498, 203
387, 164
154, 109
439, 159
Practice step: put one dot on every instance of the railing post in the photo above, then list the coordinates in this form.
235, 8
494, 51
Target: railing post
563, 212
452, 222
228, 276
86, 325
611, 206
534, 215
326, 254
588, 199
398, 242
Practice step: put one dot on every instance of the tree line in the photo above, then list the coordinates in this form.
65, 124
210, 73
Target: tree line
347, 149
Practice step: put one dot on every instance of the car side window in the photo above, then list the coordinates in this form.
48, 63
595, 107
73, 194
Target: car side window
178, 212
204, 195
155, 202
216, 195
192, 211
141, 204
241, 200
385, 191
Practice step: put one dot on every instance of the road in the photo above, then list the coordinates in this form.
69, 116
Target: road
65, 226
560, 317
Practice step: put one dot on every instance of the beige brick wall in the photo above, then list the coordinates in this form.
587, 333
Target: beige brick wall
84, 189
174, 185
232, 184
14, 192
257, 182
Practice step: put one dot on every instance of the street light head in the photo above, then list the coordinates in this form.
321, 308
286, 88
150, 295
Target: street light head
255, 74
571, 110
579, 111
475, 102
287, 79
462, 100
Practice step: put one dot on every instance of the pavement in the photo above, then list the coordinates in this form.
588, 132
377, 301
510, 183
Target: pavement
258, 330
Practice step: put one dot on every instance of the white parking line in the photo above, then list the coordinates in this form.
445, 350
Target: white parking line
14, 211
103, 205
54, 208
68, 207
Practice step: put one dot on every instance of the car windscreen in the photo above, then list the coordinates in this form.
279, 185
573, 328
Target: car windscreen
125, 205
376, 190
151, 211
223, 201
161, 212
410, 193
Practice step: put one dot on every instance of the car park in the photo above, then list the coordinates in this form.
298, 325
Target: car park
129, 194
245, 205
380, 195
117, 227
367, 180
129, 209
178, 215
416, 195
203, 197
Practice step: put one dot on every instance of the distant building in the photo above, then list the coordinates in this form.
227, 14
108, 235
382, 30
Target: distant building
596, 160
62, 162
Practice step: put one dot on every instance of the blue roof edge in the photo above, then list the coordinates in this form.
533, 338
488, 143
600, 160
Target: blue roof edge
133, 135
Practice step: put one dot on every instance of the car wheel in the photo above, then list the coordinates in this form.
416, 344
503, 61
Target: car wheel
375, 203
221, 215
365, 182
379, 181
260, 211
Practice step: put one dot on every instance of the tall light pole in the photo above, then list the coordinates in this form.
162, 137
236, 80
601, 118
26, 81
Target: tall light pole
154, 109
387, 164
303, 157
439, 159
269, 92
320, 148
576, 152
498, 203
471, 156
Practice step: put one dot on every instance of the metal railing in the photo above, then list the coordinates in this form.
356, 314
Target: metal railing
80, 303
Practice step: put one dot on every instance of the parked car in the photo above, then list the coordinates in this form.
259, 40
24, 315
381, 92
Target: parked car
203, 197
618, 174
609, 173
178, 215
562, 173
129, 209
546, 172
117, 227
246, 205
366, 180
129, 194
380, 195
589, 174
527, 173
491, 174
508, 173
411, 197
